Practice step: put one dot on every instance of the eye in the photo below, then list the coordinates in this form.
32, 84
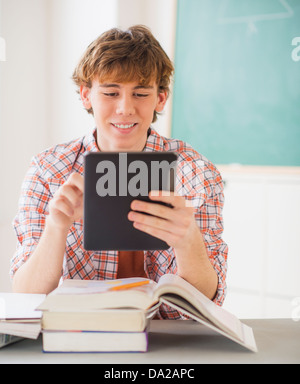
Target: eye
112, 94
141, 95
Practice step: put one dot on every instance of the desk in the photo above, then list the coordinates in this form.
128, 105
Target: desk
180, 342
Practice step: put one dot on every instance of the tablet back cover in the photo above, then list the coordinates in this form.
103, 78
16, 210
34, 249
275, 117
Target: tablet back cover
111, 182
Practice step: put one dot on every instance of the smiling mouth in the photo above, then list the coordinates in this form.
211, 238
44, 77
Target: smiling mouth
124, 126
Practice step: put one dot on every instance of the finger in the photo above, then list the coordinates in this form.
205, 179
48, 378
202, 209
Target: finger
151, 208
181, 216
60, 204
148, 220
177, 228
167, 197
72, 194
168, 237
76, 180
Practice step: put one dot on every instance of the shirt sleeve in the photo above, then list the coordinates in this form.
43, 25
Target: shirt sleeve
30, 220
201, 184
210, 220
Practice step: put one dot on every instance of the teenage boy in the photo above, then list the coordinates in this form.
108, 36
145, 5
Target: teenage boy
123, 79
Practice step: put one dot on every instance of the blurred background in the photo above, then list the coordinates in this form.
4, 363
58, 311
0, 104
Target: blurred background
235, 98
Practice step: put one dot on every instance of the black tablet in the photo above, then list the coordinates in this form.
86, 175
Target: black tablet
111, 182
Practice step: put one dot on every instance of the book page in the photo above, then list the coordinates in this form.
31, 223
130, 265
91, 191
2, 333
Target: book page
219, 316
85, 287
83, 295
246, 339
20, 306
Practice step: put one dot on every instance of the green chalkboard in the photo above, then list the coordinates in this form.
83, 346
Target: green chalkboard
236, 95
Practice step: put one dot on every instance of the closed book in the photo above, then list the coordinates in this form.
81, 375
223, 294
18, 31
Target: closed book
18, 314
109, 320
83, 341
30, 329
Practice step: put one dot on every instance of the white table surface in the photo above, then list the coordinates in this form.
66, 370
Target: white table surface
179, 342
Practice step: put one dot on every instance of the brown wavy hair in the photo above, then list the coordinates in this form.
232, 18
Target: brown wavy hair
125, 56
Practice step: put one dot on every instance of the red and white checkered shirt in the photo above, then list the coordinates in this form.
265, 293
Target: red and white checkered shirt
197, 179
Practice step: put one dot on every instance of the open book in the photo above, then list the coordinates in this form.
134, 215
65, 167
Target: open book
84, 295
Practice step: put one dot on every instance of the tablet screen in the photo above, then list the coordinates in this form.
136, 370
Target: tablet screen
111, 182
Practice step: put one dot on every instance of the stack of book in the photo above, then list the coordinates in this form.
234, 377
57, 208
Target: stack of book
87, 316
18, 317
113, 315
95, 331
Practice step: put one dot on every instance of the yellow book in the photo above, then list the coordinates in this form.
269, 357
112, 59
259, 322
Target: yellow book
107, 320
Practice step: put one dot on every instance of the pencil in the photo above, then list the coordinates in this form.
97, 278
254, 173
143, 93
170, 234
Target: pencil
130, 285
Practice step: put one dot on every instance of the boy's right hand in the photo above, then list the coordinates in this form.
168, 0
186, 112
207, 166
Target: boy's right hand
66, 205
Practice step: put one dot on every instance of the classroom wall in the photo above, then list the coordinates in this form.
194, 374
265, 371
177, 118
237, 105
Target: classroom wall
39, 107
262, 230
23, 102
236, 100
73, 25
38, 103
160, 17
237, 91
68, 118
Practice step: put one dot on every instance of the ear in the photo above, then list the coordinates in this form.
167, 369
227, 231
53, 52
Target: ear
85, 96
162, 99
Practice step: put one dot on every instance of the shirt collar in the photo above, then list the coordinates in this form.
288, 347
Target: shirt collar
89, 141
154, 141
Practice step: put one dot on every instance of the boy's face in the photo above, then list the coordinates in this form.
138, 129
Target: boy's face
123, 112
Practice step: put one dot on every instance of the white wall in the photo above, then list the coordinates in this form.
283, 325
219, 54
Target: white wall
262, 229
74, 24
160, 17
2, 41
23, 98
23, 103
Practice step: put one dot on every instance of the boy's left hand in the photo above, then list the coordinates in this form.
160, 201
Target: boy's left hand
176, 226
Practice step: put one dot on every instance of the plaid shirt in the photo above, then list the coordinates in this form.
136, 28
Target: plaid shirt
197, 179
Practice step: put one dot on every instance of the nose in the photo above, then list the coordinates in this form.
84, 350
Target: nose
125, 106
